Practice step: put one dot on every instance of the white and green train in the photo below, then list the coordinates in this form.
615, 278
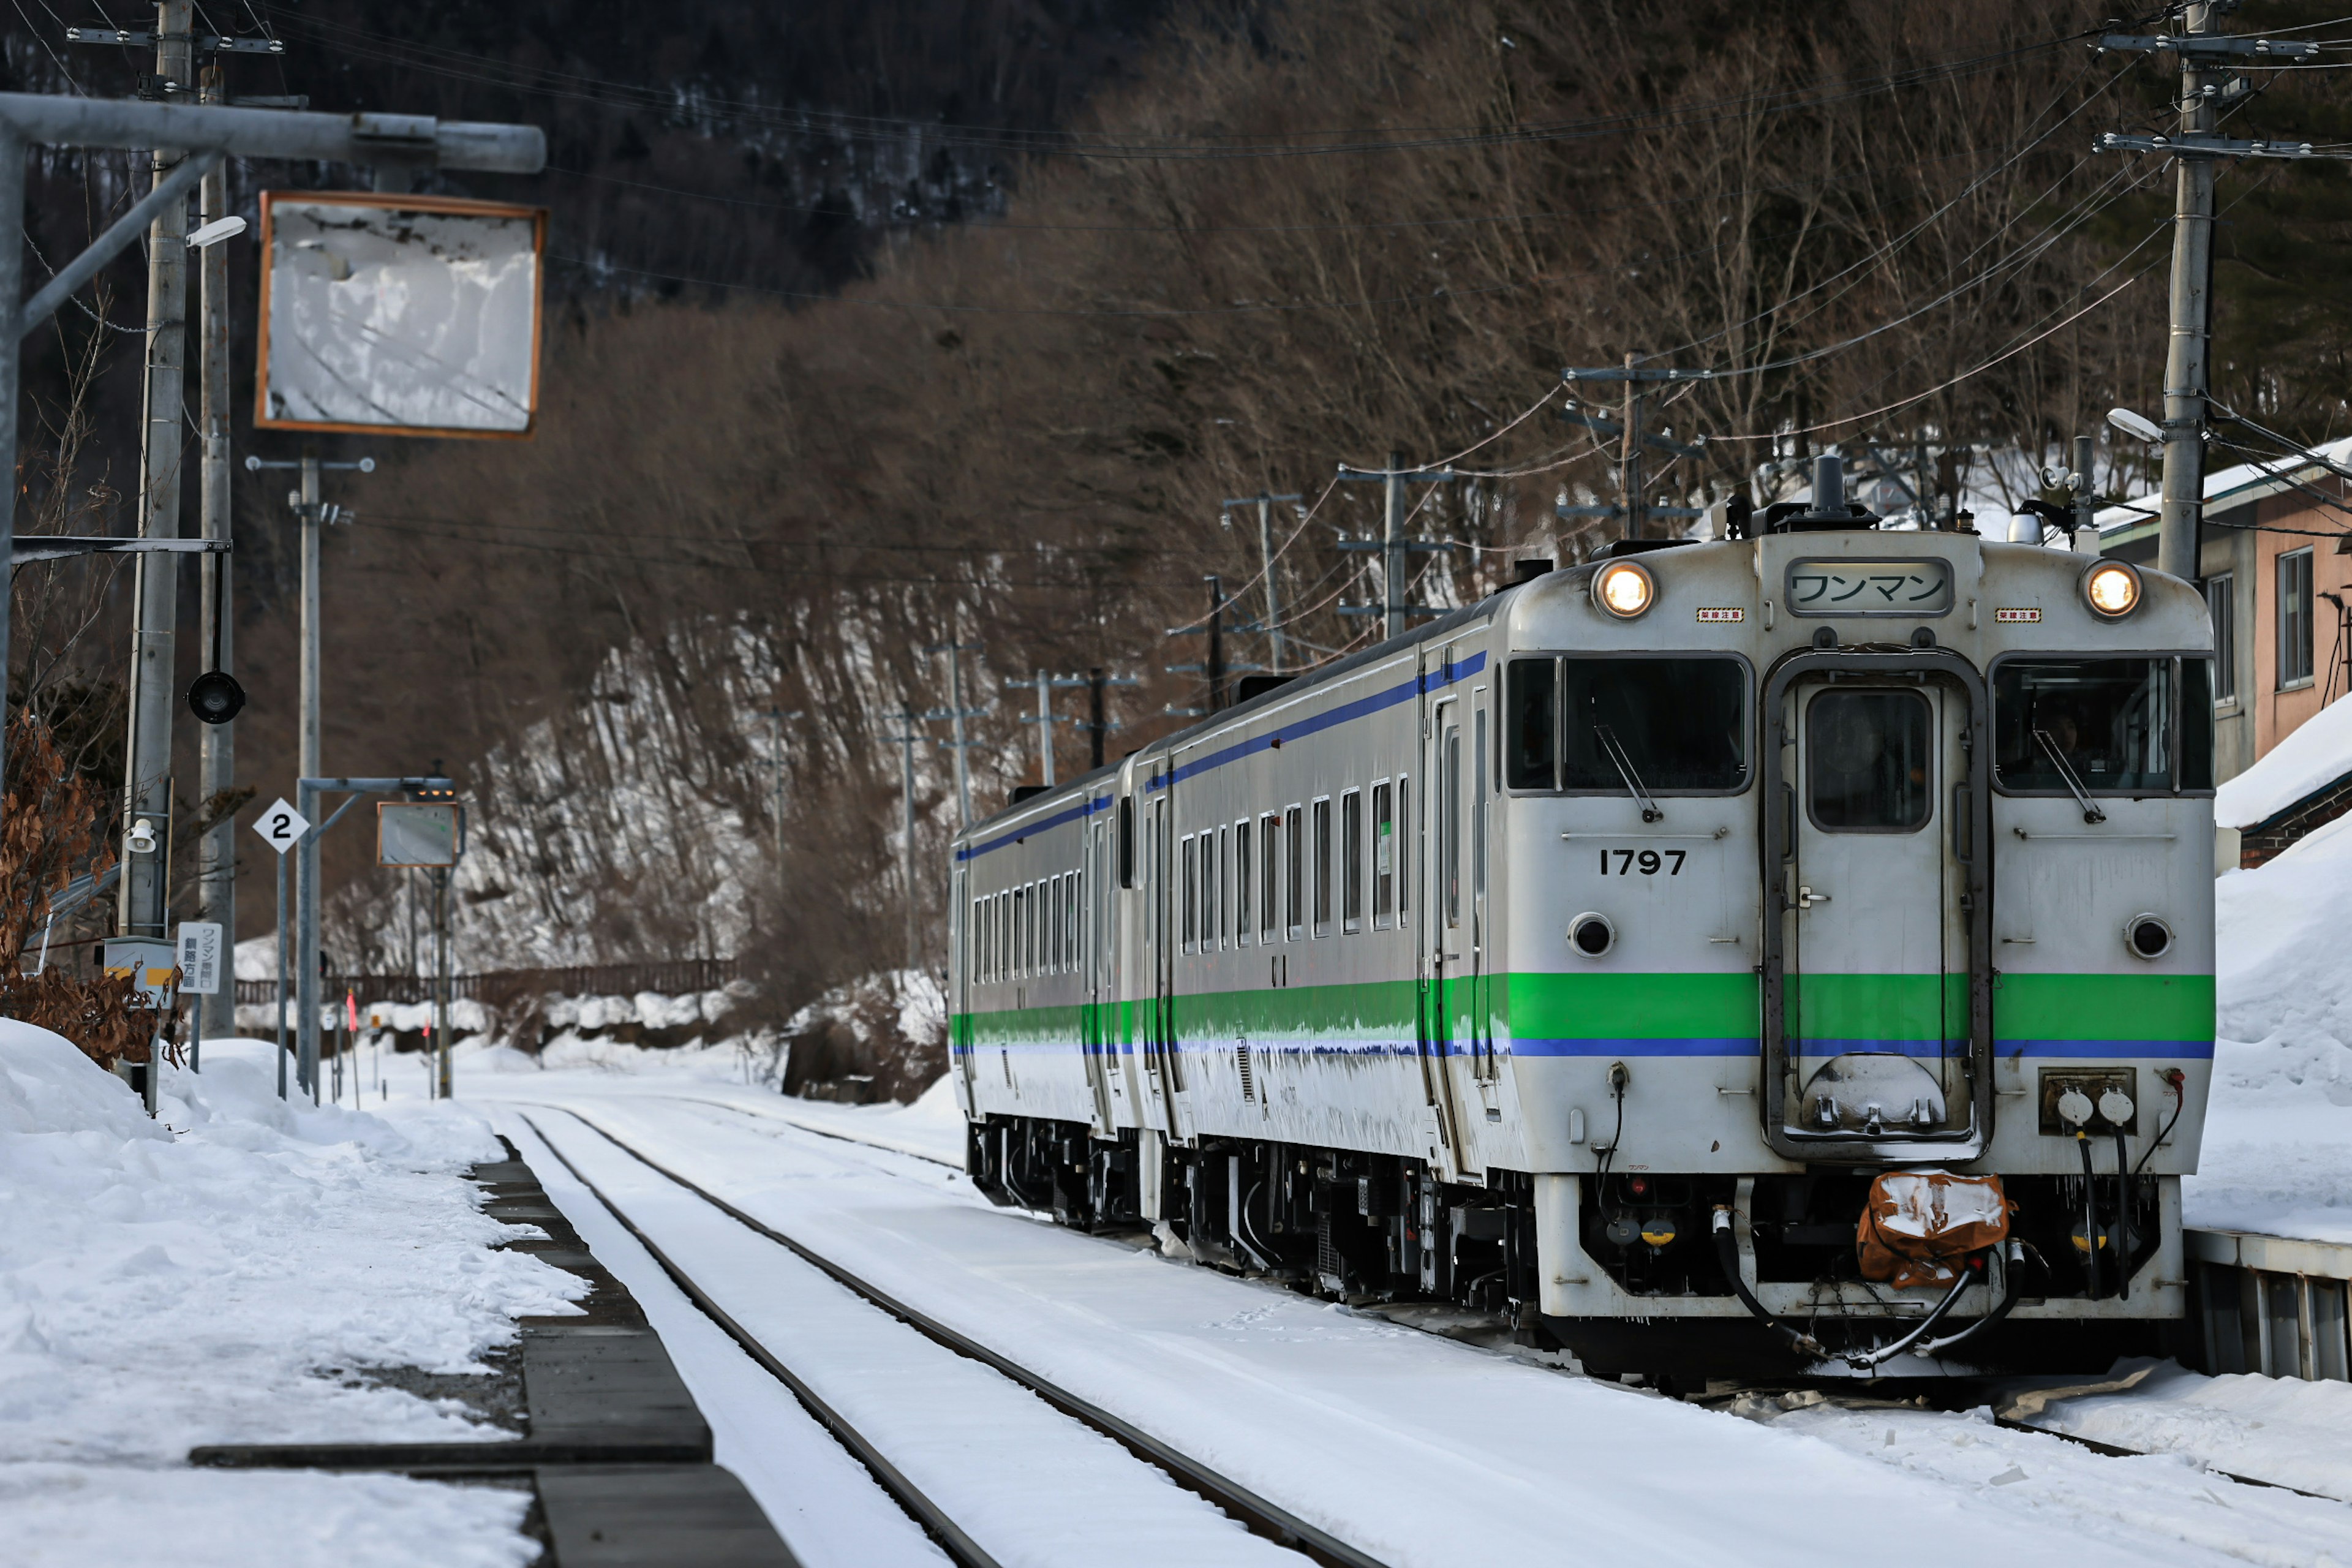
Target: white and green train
1590, 953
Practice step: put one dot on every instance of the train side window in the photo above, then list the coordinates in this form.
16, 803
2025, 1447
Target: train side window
1351, 861
1531, 725
978, 964
1020, 933
1478, 813
1403, 867
1384, 842
1240, 882
1295, 875
1218, 885
1062, 923
1190, 857
1208, 890
1126, 841
2197, 684
1036, 933
1322, 818
1269, 911
1004, 935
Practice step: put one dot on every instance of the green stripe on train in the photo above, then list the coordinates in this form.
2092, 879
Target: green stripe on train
1570, 1006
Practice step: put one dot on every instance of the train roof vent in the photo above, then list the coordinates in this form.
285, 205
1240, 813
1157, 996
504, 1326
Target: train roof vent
1827, 510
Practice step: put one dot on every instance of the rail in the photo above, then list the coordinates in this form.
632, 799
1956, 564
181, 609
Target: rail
672, 977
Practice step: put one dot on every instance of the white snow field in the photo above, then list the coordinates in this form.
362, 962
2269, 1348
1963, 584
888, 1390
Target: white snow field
228, 1273
1417, 1449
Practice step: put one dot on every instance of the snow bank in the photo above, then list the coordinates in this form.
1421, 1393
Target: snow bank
230, 1272
2318, 754
2276, 1430
2277, 1155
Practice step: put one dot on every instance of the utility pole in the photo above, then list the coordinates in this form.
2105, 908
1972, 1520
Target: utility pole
958, 712
2207, 62
908, 738
312, 516
217, 762
1276, 649
1393, 545
143, 909
1045, 721
1212, 667
1098, 726
776, 717
1635, 441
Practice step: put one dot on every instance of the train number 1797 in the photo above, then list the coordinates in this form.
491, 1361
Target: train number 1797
1643, 862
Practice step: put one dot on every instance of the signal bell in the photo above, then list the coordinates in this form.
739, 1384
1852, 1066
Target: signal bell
214, 697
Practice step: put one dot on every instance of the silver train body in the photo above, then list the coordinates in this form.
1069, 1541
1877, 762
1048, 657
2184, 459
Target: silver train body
1588, 966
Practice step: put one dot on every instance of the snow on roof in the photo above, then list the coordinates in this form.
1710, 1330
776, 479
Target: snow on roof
2222, 484
2315, 756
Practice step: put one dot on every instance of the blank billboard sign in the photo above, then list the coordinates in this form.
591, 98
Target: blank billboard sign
418, 834
408, 315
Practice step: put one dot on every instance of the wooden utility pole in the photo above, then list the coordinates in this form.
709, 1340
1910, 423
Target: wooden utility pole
2188, 361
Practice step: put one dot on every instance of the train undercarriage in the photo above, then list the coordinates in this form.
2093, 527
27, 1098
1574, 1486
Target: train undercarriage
1374, 1228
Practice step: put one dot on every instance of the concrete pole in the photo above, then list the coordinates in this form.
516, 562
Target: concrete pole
216, 770
143, 909
306, 875
1278, 657
955, 710
2187, 368
1045, 729
12, 290
907, 842
1392, 546
444, 1086
1629, 478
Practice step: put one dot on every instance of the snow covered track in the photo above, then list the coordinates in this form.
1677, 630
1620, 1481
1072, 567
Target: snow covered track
908, 1403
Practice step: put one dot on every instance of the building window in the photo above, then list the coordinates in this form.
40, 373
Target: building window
1322, 817
1297, 879
2295, 663
2221, 605
1384, 840
1351, 861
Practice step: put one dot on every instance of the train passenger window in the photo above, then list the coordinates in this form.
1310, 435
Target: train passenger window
1384, 840
1240, 882
1679, 725
2110, 719
1126, 841
1190, 895
1208, 891
1322, 867
1020, 933
1403, 867
1295, 879
2197, 682
1059, 958
1269, 912
1004, 935
1530, 725
977, 965
1351, 861
1478, 813
1218, 886
1869, 760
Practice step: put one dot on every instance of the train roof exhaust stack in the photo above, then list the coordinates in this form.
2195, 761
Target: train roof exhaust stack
1828, 485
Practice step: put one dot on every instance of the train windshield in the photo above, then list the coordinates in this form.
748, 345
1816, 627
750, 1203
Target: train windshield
2109, 722
1678, 725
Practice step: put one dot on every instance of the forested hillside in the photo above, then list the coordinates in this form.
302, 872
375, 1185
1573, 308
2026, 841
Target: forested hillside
957, 323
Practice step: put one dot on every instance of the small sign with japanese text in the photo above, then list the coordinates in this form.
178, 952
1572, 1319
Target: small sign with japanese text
1918, 588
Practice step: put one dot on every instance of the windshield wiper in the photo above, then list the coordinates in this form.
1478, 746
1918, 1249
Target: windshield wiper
2091, 811
1624, 766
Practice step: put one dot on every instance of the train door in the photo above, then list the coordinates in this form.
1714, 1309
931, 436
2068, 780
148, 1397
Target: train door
1159, 892
961, 938
1877, 993
1450, 982
1093, 1037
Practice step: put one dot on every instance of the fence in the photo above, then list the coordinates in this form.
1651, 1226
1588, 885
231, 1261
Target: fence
2271, 1304
675, 978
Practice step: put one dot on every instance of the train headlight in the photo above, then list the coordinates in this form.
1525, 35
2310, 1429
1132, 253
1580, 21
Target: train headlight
1623, 589
2112, 589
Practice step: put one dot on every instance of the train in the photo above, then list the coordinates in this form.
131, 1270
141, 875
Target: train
1784, 951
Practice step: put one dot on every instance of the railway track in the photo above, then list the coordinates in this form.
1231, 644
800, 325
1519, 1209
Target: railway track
1261, 1516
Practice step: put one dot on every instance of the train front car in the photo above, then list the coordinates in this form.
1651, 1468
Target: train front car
1858, 906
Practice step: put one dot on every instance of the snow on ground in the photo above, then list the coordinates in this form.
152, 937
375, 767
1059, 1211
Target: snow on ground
2279, 1429
228, 1272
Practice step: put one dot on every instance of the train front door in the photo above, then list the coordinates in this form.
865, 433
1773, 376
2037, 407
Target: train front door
1450, 907
1877, 992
